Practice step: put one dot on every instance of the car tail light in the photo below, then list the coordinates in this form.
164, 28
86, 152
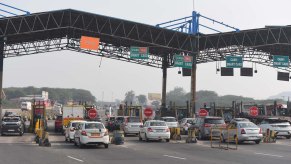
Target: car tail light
83, 133
150, 130
106, 133
72, 129
167, 130
260, 131
207, 125
242, 131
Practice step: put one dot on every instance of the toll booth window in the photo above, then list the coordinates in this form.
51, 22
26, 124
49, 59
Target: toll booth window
158, 124
133, 119
94, 126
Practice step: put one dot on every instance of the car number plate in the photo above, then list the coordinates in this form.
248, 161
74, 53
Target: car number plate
159, 130
10, 130
95, 134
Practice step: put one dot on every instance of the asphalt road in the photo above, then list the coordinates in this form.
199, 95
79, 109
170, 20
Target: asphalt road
15, 149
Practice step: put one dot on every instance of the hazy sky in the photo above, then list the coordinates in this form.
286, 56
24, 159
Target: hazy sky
114, 78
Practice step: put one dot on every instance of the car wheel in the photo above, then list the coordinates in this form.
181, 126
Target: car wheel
70, 140
288, 137
139, 137
106, 146
146, 138
167, 140
125, 135
80, 144
2, 134
200, 137
66, 140
258, 141
20, 133
75, 143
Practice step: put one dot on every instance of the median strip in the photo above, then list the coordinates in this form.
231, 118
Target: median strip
75, 159
272, 155
174, 157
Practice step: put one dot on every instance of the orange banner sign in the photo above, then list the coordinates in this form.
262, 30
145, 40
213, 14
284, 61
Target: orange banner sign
89, 43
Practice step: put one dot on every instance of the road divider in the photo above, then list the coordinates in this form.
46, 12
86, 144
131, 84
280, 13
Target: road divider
174, 157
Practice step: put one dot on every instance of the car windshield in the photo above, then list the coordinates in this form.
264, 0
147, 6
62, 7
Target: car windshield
133, 119
247, 125
93, 126
170, 119
74, 124
120, 119
190, 121
157, 124
274, 121
214, 121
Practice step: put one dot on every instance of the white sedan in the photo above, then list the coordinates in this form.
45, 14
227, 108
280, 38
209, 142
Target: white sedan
91, 133
154, 130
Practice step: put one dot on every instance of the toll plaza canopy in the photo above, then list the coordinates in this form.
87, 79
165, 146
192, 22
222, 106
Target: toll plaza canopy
62, 30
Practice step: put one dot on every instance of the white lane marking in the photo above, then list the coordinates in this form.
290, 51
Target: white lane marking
174, 157
75, 159
272, 155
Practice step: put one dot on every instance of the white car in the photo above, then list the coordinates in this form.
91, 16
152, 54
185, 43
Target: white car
171, 122
185, 123
70, 130
281, 127
131, 125
246, 131
154, 130
91, 133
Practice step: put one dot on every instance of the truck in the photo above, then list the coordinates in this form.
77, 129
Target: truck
72, 112
25, 106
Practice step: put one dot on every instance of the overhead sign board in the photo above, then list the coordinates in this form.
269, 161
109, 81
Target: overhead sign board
139, 52
89, 43
183, 61
234, 61
280, 61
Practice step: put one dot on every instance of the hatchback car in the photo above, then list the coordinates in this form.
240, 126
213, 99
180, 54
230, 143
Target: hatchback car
281, 127
204, 125
170, 121
154, 130
70, 130
185, 123
91, 133
131, 125
242, 131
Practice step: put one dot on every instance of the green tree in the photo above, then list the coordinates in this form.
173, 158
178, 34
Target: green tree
177, 96
129, 97
142, 99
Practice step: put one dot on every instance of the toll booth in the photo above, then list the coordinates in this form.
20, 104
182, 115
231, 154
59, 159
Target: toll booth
134, 111
38, 112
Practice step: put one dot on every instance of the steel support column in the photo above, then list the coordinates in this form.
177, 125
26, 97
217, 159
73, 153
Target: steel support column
193, 85
1, 74
164, 85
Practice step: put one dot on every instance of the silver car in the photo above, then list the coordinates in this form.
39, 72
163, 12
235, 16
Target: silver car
170, 121
246, 131
131, 125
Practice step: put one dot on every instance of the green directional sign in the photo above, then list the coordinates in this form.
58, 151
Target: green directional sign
280, 61
234, 61
178, 61
139, 52
183, 61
